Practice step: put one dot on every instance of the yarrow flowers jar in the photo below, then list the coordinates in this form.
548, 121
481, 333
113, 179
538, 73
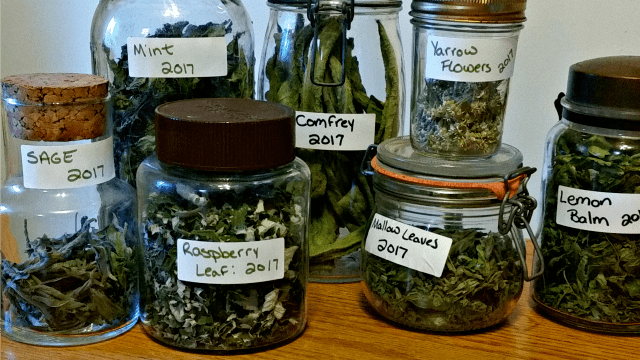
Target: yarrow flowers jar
464, 55
224, 208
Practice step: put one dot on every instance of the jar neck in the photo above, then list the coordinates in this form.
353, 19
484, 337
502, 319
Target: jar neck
466, 26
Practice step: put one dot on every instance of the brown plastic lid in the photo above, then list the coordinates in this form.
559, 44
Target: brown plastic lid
220, 134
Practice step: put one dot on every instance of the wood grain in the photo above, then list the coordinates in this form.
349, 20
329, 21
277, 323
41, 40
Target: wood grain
341, 325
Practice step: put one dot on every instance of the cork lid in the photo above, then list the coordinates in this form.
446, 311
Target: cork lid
54, 88
225, 134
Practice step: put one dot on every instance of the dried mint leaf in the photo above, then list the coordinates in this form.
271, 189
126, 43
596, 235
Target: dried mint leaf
85, 280
222, 317
479, 287
341, 198
135, 99
591, 275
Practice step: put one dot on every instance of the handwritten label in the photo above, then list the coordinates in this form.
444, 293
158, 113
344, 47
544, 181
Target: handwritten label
321, 131
470, 60
177, 57
598, 211
67, 166
407, 245
230, 263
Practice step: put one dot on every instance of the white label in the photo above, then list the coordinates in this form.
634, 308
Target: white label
67, 166
407, 245
208, 262
598, 211
470, 60
177, 57
321, 131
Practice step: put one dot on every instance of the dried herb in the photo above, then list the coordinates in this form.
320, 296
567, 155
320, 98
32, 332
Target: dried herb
223, 317
88, 279
479, 287
591, 275
462, 118
341, 199
135, 99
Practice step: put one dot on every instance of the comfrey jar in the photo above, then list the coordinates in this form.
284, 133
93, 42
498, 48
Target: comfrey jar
444, 249
464, 55
590, 231
155, 51
338, 63
224, 207
70, 249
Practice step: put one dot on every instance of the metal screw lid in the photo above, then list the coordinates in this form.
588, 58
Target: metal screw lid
483, 11
375, 3
225, 134
604, 92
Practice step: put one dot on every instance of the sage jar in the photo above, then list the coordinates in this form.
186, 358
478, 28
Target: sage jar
444, 249
339, 65
224, 208
464, 55
590, 229
156, 51
70, 246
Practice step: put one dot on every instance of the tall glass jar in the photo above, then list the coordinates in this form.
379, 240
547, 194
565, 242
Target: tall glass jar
590, 229
155, 51
339, 65
70, 250
444, 249
463, 57
224, 208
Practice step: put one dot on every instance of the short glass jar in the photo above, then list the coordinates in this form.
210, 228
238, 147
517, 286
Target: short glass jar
590, 229
339, 65
444, 249
224, 210
463, 57
70, 249
156, 51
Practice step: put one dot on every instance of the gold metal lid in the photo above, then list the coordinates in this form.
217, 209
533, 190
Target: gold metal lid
483, 11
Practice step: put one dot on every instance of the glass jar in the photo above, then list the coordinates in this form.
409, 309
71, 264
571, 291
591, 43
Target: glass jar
463, 57
339, 65
70, 249
590, 229
224, 211
444, 249
156, 51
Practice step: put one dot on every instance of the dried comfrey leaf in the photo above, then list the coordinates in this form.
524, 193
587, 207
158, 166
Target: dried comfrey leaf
341, 198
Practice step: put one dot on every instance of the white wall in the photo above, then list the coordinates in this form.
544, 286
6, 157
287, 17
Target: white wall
53, 36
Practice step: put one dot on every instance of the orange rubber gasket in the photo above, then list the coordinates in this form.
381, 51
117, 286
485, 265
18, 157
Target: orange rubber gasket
497, 188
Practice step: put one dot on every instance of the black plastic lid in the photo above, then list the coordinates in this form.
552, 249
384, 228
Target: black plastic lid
225, 134
604, 92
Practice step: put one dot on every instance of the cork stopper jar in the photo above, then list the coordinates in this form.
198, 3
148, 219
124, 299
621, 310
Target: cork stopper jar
69, 242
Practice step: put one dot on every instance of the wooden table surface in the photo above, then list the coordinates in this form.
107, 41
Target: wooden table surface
342, 325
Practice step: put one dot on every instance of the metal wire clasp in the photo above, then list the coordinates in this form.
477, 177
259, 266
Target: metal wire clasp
347, 12
521, 205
